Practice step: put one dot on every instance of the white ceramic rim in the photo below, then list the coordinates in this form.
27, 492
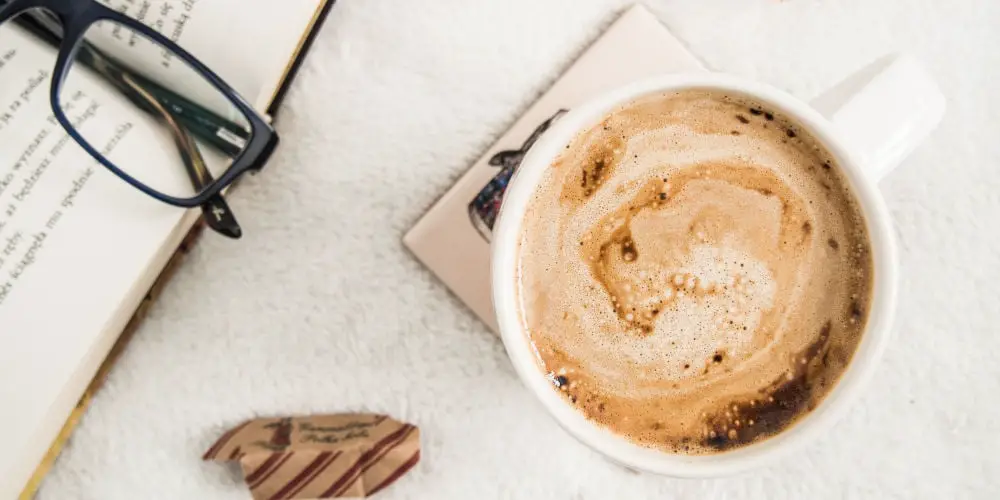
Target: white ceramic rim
521, 352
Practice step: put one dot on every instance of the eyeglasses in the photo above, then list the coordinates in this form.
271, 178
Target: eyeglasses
157, 92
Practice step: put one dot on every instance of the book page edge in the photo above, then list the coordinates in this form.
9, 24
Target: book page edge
99, 362
273, 92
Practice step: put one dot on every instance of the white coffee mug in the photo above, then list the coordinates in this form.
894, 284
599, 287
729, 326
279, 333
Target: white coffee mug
870, 123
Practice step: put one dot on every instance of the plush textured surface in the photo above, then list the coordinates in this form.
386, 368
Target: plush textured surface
320, 308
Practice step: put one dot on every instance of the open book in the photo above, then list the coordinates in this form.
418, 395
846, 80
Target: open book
79, 248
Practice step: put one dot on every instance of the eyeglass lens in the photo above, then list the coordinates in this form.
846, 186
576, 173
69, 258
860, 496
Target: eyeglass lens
157, 98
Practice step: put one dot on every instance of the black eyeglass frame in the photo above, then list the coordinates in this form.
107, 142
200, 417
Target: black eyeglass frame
76, 17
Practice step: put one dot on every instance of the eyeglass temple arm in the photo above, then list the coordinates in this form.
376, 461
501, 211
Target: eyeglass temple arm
205, 124
216, 211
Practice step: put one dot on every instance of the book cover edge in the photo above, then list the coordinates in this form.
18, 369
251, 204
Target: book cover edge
295, 63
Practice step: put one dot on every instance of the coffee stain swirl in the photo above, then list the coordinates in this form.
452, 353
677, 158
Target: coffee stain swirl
780, 403
691, 280
610, 251
598, 166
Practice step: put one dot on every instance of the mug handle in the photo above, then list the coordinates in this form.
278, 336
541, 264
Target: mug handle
884, 111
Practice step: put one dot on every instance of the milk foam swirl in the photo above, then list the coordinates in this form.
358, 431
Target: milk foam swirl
691, 259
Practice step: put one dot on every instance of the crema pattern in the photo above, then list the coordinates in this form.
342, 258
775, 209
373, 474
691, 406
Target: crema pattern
694, 272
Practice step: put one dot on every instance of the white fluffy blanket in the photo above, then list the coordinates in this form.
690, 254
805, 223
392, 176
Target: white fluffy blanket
321, 309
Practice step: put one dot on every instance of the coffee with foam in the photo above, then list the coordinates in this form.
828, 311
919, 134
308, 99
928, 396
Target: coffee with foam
694, 272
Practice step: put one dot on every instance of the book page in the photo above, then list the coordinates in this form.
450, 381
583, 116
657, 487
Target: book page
73, 241
78, 246
222, 34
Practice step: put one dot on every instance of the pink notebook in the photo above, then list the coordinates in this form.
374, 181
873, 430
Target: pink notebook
453, 238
